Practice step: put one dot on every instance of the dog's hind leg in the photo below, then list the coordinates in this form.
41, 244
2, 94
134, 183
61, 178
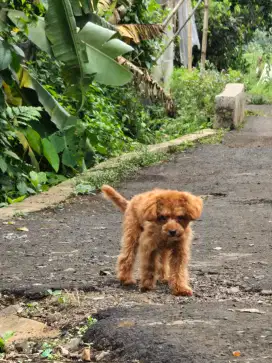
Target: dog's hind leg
130, 243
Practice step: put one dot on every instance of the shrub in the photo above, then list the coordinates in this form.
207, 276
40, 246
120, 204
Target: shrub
194, 94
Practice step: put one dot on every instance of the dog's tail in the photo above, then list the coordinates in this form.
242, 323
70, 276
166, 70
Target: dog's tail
115, 197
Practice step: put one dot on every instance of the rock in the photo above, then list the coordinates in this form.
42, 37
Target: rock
104, 273
24, 347
11, 310
101, 356
234, 290
258, 277
51, 318
25, 328
65, 352
86, 355
73, 345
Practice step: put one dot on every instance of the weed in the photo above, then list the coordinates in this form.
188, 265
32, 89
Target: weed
3, 340
20, 214
259, 99
254, 113
213, 139
81, 330
84, 189
179, 148
118, 169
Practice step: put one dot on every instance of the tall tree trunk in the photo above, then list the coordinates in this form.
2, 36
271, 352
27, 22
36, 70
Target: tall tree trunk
190, 50
205, 34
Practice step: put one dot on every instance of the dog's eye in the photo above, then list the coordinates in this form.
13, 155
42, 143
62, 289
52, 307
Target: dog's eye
162, 218
180, 218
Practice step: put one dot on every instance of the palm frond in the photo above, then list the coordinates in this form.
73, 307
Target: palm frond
138, 32
21, 114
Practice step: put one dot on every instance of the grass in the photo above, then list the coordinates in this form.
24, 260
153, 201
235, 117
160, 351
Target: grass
260, 93
114, 171
213, 139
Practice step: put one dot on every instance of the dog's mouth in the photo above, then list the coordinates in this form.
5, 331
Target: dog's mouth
170, 241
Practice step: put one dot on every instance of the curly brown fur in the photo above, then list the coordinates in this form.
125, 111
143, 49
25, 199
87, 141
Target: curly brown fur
158, 223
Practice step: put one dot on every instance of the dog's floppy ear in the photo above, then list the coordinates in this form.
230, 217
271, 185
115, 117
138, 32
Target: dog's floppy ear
149, 212
194, 206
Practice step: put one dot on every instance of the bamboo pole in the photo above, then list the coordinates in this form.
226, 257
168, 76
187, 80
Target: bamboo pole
189, 45
179, 30
205, 34
172, 13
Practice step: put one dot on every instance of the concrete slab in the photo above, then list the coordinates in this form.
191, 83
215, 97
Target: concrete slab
230, 106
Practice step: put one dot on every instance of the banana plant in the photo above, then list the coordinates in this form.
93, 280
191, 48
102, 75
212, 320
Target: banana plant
87, 53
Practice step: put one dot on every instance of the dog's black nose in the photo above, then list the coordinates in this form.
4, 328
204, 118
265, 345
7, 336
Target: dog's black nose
172, 232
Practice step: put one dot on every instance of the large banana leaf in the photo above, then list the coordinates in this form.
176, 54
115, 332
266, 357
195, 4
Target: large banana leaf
61, 31
87, 53
102, 50
90, 50
59, 116
35, 31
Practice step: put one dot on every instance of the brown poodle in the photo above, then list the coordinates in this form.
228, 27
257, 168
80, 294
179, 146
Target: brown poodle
158, 222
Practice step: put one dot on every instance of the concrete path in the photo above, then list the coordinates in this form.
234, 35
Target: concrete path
76, 245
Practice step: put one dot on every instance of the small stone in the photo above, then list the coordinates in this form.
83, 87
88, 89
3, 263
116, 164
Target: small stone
266, 292
70, 269
258, 277
104, 273
52, 318
65, 352
24, 347
86, 355
73, 345
101, 356
234, 290
11, 310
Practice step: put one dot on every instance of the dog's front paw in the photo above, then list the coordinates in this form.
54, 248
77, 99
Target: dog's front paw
128, 282
182, 291
147, 285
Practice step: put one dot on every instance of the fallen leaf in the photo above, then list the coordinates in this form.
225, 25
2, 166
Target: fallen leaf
9, 222
126, 324
24, 229
237, 353
86, 355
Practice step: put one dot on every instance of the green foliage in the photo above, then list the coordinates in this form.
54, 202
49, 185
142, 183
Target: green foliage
43, 144
232, 24
3, 340
145, 12
258, 53
20, 115
117, 170
194, 94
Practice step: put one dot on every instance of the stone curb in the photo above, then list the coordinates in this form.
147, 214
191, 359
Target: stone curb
61, 192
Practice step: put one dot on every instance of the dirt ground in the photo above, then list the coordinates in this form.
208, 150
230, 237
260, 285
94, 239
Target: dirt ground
75, 246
